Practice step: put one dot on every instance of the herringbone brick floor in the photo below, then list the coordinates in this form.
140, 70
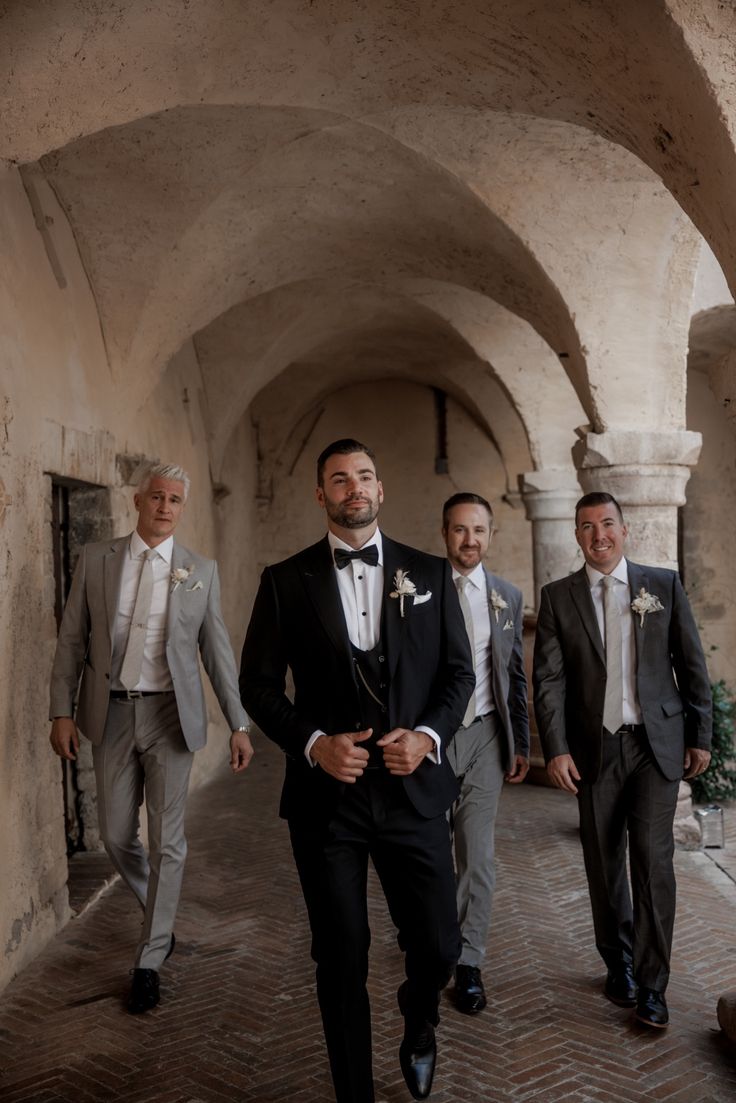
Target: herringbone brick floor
238, 1019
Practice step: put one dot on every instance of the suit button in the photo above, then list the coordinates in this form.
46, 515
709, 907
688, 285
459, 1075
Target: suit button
358, 726
381, 659
108, 677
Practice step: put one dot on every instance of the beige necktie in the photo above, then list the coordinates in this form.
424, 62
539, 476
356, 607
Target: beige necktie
613, 714
461, 582
130, 672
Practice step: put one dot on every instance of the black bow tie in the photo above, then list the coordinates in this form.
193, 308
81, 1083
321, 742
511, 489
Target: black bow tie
369, 555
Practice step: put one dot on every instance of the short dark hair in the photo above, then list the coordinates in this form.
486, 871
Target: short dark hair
345, 447
464, 498
598, 498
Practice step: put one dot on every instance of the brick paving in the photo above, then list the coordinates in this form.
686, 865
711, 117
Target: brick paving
238, 1019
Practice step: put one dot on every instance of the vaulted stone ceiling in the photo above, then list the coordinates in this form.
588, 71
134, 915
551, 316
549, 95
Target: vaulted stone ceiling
212, 158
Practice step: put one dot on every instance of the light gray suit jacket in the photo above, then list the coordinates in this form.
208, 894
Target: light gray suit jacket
570, 673
194, 626
508, 676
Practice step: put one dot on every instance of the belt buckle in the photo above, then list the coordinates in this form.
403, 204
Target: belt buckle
133, 694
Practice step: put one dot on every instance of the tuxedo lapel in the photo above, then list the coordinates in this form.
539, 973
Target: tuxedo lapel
318, 573
580, 590
392, 620
112, 574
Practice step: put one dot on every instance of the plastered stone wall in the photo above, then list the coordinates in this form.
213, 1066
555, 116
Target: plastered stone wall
61, 413
709, 528
397, 421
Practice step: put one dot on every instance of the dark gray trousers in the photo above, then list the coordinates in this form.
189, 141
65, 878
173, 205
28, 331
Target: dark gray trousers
631, 798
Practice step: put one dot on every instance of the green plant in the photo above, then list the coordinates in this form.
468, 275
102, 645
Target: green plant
719, 780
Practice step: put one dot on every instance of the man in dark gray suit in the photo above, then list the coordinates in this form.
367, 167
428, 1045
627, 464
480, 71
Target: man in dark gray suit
141, 611
492, 745
623, 705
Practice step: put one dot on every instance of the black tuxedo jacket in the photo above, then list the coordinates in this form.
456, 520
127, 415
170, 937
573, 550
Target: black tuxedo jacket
570, 672
298, 623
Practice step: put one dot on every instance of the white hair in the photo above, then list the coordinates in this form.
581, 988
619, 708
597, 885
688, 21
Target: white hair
164, 471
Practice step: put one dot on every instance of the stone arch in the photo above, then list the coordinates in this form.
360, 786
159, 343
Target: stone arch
653, 78
162, 272
463, 341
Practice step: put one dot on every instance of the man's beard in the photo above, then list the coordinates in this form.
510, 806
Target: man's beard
351, 518
469, 557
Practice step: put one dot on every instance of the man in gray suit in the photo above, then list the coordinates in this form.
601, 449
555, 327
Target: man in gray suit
493, 743
623, 705
141, 610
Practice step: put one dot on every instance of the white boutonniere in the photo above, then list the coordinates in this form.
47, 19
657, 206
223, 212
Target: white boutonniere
404, 587
179, 575
645, 603
497, 604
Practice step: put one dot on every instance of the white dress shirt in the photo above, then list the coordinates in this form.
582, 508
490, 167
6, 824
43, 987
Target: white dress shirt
361, 593
622, 593
361, 596
155, 674
476, 592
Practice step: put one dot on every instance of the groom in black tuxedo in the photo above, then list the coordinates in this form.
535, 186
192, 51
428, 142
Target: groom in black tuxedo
374, 636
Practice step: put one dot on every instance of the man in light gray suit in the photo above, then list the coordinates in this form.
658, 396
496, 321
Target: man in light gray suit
493, 743
141, 610
623, 705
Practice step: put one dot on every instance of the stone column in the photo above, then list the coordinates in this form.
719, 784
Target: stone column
549, 498
647, 472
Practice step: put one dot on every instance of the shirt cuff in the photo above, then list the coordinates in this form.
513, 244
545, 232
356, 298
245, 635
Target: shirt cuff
310, 743
435, 755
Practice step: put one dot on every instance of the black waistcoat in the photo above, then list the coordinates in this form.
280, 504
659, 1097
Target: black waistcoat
371, 674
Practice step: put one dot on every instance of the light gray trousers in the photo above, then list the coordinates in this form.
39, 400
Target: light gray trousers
143, 754
475, 757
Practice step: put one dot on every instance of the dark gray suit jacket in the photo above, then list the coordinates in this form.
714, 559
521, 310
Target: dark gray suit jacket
508, 676
570, 673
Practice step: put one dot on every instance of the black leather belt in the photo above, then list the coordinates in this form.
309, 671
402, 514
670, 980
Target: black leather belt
134, 694
631, 729
478, 719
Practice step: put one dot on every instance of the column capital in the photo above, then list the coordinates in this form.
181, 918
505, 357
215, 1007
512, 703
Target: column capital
647, 473
638, 467
550, 494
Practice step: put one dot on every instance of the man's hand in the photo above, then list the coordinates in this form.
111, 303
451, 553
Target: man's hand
64, 737
404, 749
696, 762
563, 772
518, 771
338, 755
241, 751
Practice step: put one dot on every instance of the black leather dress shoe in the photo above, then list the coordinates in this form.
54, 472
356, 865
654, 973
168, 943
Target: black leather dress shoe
620, 986
172, 946
651, 1009
144, 993
417, 1056
469, 994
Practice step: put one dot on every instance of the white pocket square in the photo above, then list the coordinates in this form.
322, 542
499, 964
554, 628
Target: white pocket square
508, 625
196, 586
419, 599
